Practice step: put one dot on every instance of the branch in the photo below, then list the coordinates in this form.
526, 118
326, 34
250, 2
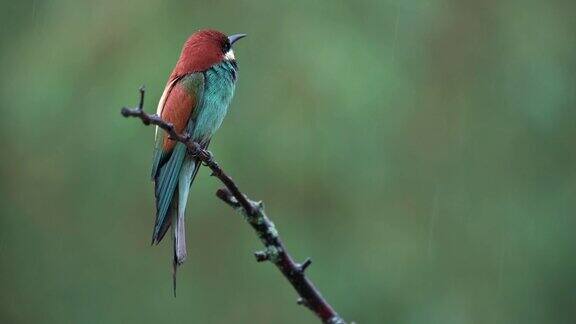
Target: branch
274, 251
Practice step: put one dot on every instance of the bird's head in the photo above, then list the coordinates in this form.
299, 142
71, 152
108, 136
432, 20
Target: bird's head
204, 49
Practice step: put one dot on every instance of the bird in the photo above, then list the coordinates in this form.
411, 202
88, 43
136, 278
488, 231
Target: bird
195, 101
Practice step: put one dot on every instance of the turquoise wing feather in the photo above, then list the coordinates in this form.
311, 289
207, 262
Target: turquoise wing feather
167, 165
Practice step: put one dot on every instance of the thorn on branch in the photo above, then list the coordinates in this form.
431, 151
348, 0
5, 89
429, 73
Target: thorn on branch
261, 256
142, 90
302, 267
125, 112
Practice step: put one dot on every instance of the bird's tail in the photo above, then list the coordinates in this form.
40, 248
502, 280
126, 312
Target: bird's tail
179, 245
187, 175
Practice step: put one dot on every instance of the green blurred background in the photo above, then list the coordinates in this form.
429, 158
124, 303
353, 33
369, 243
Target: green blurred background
422, 153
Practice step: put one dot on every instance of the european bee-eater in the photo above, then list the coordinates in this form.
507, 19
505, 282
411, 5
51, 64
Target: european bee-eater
195, 101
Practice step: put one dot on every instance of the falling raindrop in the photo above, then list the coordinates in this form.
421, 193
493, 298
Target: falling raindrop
396, 23
34, 24
432, 222
501, 258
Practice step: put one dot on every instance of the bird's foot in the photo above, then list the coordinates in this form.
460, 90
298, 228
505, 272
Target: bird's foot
209, 158
201, 154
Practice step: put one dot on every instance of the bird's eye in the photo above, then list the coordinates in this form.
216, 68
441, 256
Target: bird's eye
226, 47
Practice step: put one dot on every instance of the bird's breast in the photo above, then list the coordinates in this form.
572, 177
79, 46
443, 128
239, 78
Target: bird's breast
219, 84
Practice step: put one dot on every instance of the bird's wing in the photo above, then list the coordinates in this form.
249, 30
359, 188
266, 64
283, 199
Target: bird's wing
180, 108
159, 134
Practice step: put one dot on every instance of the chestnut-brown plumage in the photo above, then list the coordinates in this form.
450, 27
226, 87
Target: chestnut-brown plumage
202, 50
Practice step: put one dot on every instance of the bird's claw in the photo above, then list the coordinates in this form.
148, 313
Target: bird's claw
209, 158
201, 154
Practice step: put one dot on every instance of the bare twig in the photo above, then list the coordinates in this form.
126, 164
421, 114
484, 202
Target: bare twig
275, 251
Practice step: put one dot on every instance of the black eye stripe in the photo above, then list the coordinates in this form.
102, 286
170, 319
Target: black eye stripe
226, 46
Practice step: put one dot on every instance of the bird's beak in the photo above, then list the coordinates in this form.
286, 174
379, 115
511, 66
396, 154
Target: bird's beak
235, 37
